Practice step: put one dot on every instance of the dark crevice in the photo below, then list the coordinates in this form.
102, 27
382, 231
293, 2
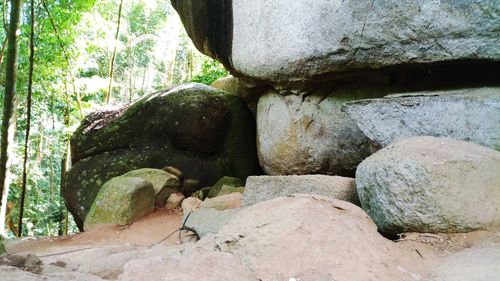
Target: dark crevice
220, 30
403, 78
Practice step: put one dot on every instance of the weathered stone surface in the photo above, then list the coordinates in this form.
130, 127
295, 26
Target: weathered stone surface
192, 264
10, 273
121, 201
263, 188
300, 134
163, 183
174, 201
206, 133
283, 41
29, 262
228, 181
207, 221
224, 202
312, 238
468, 114
190, 204
428, 184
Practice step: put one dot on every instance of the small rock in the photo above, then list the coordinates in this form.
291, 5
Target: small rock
190, 204
59, 264
225, 190
163, 183
203, 193
228, 181
189, 186
174, 171
27, 262
230, 201
174, 200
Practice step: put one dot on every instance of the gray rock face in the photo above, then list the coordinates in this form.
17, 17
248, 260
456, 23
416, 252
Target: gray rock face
207, 221
263, 188
427, 184
299, 134
204, 132
282, 41
469, 114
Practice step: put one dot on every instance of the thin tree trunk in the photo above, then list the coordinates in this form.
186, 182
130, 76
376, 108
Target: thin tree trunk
144, 79
28, 122
113, 56
4, 45
8, 178
10, 90
78, 98
65, 166
51, 147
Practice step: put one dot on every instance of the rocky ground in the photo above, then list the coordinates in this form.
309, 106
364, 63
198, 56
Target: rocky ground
289, 238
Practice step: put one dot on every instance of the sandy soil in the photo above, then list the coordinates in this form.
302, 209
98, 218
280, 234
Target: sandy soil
145, 232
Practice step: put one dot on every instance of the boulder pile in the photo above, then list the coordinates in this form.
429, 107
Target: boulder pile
204, 132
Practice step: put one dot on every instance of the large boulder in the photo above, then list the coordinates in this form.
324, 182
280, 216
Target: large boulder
120, 201
467, 114
163, 183
308, 134
263, 188
204, 132
312, 238
286, 41
428, 184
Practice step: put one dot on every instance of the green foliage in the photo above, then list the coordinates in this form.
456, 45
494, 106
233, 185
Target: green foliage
71, 73
211, 70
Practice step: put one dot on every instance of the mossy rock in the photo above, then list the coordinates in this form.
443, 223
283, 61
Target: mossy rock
225, 190
146, 136
228, 181
121, 201
163, 183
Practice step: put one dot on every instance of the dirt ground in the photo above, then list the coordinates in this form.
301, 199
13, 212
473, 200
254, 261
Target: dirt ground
145, 232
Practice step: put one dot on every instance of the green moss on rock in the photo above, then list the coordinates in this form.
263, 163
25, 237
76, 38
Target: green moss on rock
121, 201
157, 131
224, 181
225, 190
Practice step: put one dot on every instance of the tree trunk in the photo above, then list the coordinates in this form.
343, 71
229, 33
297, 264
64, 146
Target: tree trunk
10, 90
8, 179
107, 97
28, 122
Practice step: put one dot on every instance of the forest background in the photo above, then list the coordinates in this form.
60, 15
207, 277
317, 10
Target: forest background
88, 55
